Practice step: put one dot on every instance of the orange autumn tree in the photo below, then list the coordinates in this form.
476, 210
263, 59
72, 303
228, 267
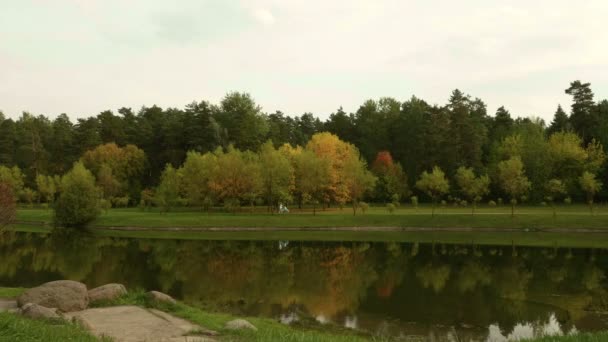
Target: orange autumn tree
337, 153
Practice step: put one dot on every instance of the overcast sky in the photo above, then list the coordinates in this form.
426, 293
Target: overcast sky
85, 56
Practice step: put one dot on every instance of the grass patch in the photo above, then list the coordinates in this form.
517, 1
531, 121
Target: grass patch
11, 292
268, 329
582, 337
17, 328
570, 217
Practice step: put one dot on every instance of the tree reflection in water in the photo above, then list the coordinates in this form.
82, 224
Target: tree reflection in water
400, 289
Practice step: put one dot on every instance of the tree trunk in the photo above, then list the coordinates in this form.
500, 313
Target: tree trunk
354, 208
433, 209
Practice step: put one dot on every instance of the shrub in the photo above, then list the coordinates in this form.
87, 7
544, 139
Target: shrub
390, 207
464, 203
492, 203
444, 203
499, 201
567, 200
543, 203
78, 202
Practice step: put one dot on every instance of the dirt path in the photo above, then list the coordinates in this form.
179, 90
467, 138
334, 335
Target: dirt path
135, 324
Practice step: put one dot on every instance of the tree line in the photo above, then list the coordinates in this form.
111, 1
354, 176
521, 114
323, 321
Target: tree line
127, 152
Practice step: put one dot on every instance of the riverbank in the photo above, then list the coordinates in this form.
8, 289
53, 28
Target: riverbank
533, 226
16, 328
530, 218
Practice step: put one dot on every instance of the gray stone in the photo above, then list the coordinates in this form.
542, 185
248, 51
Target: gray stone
107, 292
65, 295
160, 297
36, 311
132, 323
238, 324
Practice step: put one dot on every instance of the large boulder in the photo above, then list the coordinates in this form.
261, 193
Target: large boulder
106, 292
160, 297
65, 295
36, 311
238, 324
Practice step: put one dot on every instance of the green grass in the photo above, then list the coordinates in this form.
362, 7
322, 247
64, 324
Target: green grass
532, 226
11, 292
268, 330
569, 217
16, 328
583, 337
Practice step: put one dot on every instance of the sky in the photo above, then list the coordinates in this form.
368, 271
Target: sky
81, 57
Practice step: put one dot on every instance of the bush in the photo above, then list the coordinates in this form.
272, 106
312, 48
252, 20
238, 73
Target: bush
543, 204
499, 201
492, 203
444, 203
363, 206
414, 200
78, 202
464, 203
390, 207
567, 200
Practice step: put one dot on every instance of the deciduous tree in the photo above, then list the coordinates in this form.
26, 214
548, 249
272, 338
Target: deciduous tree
78, 203
513, 180
473, 187
590, 185
433, 184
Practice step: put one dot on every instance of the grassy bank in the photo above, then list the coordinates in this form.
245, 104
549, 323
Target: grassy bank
16, 328
569, 217
533, 226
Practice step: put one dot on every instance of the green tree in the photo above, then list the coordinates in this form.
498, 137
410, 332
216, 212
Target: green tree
357, 178
242, 118
47, 188
311, 177
560, 123
78, 203
276, 174
196, 176
433, 184
590, 186
584, 116
13, 177
167, 192
474, 188
554, 189
513, 180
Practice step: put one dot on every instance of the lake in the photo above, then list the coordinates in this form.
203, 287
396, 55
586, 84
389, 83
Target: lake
404, 290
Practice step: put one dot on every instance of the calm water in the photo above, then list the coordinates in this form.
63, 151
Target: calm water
398, 289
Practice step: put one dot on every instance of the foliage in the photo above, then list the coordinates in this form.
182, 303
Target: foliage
167, 193
433, 184
357, 178
78, 203
513, 179
8, 207
590, 185
277, 175
471, 186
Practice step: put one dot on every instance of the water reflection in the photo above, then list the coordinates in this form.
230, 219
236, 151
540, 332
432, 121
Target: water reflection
398, 289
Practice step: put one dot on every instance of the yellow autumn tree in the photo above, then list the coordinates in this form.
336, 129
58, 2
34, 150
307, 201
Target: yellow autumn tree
337, 153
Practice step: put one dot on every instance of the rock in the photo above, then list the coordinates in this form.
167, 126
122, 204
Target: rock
160, 297
133, 323
36, 311
238, 324
65, 295
107, 292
